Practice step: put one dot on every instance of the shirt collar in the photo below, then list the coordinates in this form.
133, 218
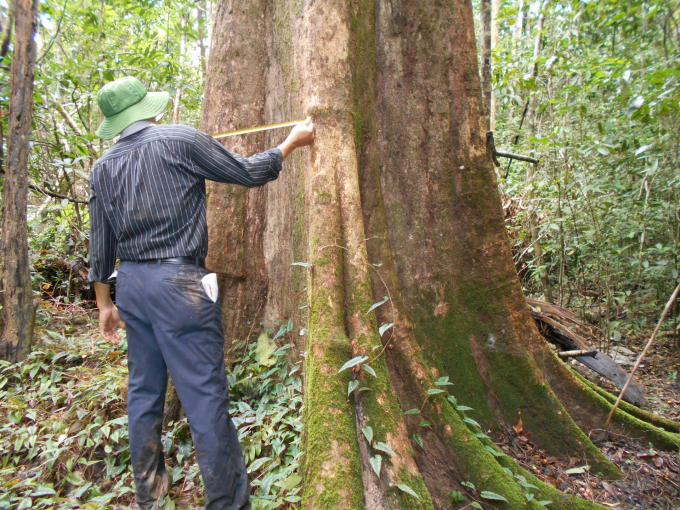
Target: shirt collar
134, 127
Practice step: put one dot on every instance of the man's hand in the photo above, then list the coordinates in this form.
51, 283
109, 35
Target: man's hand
301, 135
109, 321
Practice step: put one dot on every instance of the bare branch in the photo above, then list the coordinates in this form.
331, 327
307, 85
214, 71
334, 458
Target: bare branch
69, 120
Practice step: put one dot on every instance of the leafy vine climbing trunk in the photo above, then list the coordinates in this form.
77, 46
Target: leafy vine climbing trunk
396, 199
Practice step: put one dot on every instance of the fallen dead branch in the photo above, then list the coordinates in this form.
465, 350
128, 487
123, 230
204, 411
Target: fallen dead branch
561, 327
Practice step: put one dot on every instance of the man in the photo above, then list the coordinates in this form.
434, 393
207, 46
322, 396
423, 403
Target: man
148, 209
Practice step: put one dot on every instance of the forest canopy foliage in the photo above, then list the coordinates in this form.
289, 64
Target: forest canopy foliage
606, 132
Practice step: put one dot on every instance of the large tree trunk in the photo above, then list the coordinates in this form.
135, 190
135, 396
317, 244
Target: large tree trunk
396, 198
18, 310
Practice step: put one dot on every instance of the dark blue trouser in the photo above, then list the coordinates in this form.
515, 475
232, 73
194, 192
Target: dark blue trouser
173, 326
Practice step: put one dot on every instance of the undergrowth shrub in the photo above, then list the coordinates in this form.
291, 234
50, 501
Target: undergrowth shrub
64, 435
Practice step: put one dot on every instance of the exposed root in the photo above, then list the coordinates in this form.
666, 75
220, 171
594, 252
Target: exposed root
641, 414
627, 422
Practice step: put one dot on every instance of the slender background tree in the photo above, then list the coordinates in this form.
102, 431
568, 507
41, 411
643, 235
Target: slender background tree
18, 309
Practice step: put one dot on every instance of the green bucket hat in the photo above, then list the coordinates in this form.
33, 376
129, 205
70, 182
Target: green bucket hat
125, 101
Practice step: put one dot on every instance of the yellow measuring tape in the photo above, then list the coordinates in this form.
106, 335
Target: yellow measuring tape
258, 128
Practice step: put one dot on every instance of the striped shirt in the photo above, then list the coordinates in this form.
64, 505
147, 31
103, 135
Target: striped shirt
148, 197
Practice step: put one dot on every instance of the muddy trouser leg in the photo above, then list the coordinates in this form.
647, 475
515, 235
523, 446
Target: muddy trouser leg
146, 396
188, 327
192, 345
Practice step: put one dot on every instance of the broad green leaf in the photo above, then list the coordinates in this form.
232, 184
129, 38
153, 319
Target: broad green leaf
418, 439
471, 422
289, 483
434, 391
405, 488
493, 451
369, 369
383, 448
264, 350
376, 305
281, 350
384, 328
492, 496
353, 362
376, 463
352, 386
577, 470
368, 433
443, 381
412, 411
43, 490
642, 149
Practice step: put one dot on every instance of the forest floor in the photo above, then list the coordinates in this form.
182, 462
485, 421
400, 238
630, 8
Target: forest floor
652, 478
63, 431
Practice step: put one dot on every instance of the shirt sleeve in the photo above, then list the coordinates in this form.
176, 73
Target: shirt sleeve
215, 163
103, 243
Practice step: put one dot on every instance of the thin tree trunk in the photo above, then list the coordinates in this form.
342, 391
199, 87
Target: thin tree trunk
486, 59
200, 9
495, 8
18, 309
519, 21
7, 25
176, 110
531, 171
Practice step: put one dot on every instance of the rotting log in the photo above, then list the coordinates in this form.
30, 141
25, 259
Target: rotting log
558, 324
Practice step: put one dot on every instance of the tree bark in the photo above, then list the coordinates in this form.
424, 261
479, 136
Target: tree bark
234, 97
397, 198
18, 310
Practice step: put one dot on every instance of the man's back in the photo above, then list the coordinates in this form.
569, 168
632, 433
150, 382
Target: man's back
148, 193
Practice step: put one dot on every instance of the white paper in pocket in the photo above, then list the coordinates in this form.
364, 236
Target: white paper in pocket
209, 283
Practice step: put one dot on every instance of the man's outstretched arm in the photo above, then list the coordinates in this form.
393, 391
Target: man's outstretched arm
213, 162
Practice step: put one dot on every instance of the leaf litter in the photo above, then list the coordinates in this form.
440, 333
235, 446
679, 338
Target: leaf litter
63, 428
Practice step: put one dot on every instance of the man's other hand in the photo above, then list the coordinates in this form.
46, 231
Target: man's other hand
300, 136
109, 321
